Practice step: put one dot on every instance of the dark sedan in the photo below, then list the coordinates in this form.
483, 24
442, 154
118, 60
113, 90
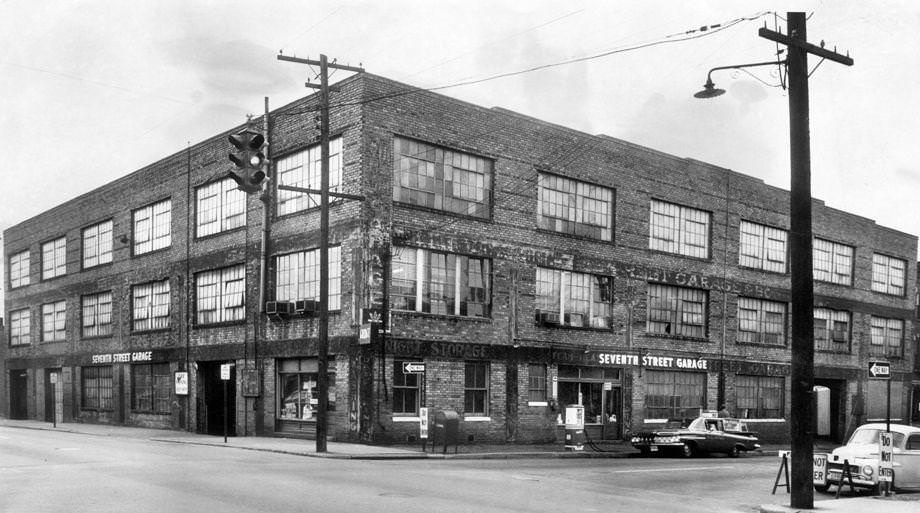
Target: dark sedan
690, 437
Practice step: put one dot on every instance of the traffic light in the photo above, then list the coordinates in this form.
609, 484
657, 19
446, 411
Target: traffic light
248, 159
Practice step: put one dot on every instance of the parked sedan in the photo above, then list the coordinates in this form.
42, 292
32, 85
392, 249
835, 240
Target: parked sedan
690, 437
861, 454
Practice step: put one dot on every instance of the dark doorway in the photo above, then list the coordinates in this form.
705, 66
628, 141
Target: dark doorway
19, 389
213, 400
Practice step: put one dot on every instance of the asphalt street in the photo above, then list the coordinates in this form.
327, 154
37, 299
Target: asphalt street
59, 471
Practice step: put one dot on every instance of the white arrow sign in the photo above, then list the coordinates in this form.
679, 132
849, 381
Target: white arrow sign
879, 369
413, 367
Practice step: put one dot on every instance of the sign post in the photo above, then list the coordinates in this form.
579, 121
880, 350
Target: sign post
54, 380
882, 370
225, 377
423, 426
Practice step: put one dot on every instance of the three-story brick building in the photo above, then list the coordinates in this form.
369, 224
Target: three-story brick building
519, 265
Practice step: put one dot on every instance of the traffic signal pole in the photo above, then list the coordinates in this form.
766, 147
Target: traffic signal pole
322, 349
802, 405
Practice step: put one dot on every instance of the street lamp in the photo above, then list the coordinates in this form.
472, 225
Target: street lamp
711, 91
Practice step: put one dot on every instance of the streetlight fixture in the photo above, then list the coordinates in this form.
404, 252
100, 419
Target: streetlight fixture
711, 91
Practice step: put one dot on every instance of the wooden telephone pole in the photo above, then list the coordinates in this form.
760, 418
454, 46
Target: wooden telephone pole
322, 350
800, 253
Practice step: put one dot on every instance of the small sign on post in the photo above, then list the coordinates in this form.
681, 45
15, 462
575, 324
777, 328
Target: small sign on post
880, 370
423, 423
225, 371
885, 455
182, 383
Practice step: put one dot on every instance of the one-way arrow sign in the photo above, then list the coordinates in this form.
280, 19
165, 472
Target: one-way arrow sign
413, 367
881, 370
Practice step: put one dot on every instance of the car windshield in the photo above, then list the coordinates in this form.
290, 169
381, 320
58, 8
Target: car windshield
870, 436
677, 423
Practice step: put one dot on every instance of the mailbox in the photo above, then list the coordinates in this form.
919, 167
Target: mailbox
446, 427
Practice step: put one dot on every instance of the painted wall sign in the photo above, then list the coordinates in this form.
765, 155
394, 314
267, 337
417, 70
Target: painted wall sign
138, 356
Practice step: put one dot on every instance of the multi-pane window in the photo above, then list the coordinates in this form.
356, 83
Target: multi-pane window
19, 269
759, 397
833, 262
887, 337
220, 206
151, 386
298, 390
677, 311
97, 314
54, 258
54, 316
678, 229
888, 274
405, 389
442, 179
440, 283
832, 330
761, 321
97, 388
150, 306
97, 244
20, 327
221, 295
577, 208
574, 299
476, 388
762, 247
536, 382
297, 276
674, 395
304, 169
152, 227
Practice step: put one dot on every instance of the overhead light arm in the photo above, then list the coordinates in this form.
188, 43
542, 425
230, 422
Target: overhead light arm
709, 88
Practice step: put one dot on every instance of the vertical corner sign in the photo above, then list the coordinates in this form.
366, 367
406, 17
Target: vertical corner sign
423, 423
225, 371
885, 462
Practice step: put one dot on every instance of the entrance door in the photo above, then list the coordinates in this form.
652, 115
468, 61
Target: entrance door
19, 387
213, 400
54, 396
613, 413
837, 407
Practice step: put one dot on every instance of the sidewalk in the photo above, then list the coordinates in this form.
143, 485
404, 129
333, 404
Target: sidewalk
347, 450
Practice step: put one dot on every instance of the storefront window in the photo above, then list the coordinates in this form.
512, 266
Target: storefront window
298, 395
96, 388
674, 395
151, 387
595, 388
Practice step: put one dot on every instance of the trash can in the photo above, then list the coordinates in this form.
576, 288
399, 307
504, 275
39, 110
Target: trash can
446, 427
574, 427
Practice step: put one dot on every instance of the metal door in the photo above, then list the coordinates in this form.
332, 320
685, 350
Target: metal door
613, 413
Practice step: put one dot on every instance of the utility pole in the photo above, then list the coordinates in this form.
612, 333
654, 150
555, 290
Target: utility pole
322, 349
803, 349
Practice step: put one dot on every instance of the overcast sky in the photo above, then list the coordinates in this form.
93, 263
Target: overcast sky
93, 90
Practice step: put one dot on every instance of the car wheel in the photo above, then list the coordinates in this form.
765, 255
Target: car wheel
735, 452
822, 488
687, 450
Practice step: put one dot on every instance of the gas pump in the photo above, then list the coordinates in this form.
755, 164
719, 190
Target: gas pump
574, 427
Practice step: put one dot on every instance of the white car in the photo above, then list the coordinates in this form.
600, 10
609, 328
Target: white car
861, 453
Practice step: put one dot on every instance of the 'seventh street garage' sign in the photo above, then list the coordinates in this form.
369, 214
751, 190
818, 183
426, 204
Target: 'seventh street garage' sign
139, 356
661, 362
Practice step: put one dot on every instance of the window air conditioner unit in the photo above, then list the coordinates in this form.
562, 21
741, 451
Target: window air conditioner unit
574, 319
279, 308
547, 318
306, 306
